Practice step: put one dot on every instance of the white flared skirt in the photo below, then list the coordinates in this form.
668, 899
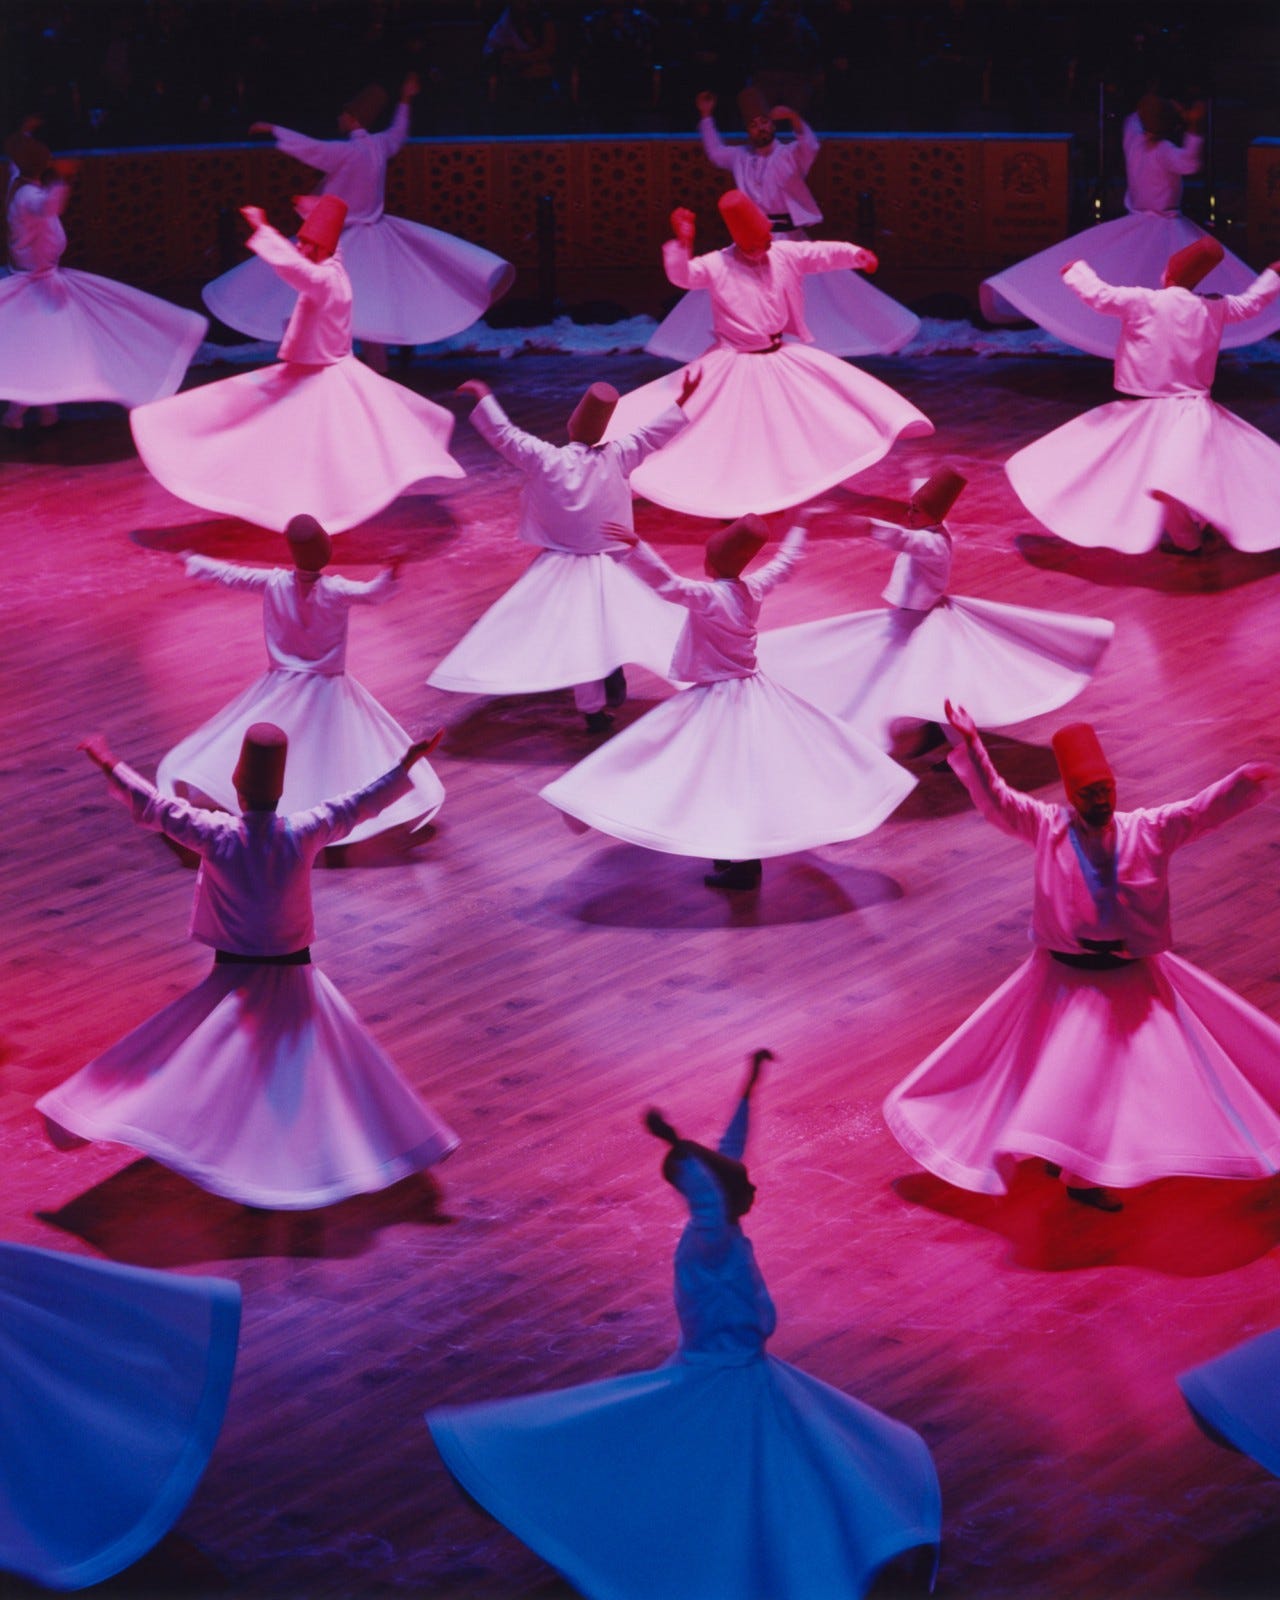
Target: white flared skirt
699, 1481
67, 335
1002, 663
846, 315
338, 442
1146, 1071
340, 739
1093, 481
1236, 1398
566, 620
262, 1085
765, 431
1131, 252
114, 1381
409, 284
741, 769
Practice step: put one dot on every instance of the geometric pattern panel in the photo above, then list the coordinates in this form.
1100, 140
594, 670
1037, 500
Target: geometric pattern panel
158, 216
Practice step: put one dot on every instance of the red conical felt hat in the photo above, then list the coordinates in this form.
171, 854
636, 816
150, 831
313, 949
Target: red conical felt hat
731, 549
323, 216
1185, 268
1080, 758
747, 224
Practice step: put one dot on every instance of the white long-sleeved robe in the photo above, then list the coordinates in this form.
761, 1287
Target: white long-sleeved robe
814, 1491
1122, 1075
340, 738
1101, 478
411, 284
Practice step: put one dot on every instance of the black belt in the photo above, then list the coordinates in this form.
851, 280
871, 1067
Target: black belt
233, 958
779, 222
1098, 955
774, 344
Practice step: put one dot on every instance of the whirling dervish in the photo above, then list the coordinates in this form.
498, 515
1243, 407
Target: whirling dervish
1130, 251
319, 416
340, 738
775, 421
725, 1472
1169, 460
846, 315
410, 284
887, 671
70, 335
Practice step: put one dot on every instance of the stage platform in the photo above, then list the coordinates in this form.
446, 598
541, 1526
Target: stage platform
542, 989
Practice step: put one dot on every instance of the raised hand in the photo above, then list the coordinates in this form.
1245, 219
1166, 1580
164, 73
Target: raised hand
706, 103
98, 751
420, 748
684, 225
255, 216
758, 1059
692, 378
476, 388
962, 722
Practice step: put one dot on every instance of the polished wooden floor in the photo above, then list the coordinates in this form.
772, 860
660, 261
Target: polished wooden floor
542, 989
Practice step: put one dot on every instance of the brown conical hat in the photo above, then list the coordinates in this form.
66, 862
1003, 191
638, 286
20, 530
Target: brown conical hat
259, 773
309, 544
367, 106
752, 103
590, 417
938, 493
731, 549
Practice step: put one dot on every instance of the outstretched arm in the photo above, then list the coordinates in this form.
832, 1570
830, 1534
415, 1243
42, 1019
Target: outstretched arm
1101, 296
283, 257
208, 569
325, 155
1009, 809
783, 564
1257, 297
714, 148
733, 1142
520, 449
1186, 820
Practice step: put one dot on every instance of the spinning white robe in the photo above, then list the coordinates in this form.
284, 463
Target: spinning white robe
319, 432
340, 738
1094, 481
847, 315
262, 1084
1003, 663
735, 767
113, 1385
410, 284
578, 611
70, 335
1120, 1076
725, 1472
1132, 250
774, 421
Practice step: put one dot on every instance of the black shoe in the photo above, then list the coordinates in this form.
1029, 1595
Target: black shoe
615, 688
735, 875
1099, 1199
598, 721
720, 866
1053, 1169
